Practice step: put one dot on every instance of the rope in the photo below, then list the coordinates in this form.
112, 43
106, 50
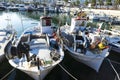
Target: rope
114, 69
68, 72
7, 74
115, 62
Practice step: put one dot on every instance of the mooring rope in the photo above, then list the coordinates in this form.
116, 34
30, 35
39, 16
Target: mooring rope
67, 72
114, 69
7, 74
115, 62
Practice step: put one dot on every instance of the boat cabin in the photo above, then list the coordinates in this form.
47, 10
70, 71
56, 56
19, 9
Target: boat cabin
46, 21
78, 24
46, 25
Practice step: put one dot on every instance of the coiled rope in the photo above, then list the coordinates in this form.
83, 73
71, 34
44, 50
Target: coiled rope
114, 68
67, 72
7, 74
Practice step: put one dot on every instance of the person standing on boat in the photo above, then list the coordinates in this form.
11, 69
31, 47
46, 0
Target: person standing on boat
54, 41
80, 39
87, 41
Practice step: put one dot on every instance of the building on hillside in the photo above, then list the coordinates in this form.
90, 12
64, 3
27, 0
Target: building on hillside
31, 1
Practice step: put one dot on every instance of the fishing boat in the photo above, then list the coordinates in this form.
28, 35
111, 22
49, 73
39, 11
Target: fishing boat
2, 8
30, 8
13, 7
115, 44
76, 41
112, 36
7, 35
37, 51
94, 17
21, 7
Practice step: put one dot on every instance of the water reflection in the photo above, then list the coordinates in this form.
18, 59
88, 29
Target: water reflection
60, 18
17, 20
22, 20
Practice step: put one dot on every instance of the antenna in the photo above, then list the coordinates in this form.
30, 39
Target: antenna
22, 22
44, 7
9, 25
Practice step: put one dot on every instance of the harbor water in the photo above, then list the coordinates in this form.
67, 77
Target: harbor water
69, 68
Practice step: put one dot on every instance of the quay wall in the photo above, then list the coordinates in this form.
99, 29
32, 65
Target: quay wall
108, 12
115, 13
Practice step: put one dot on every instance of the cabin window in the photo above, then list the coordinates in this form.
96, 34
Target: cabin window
79, 23
46, 22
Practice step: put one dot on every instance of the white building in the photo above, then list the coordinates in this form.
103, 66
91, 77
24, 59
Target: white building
49, 0
37, 1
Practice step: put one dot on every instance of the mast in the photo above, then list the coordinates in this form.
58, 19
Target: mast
44, 7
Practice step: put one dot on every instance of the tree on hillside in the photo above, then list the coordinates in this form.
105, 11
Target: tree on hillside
86, 2
108, 2
13, 1
116, 3
35, 3
93, 2
100, 2
77, 2
66, 0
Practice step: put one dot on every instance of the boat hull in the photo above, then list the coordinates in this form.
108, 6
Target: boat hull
115, 47
34, 73
92, 61
38, 75
5, 42
2, 57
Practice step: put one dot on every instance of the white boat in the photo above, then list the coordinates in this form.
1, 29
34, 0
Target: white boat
17, 7
30, 8
7, 35
74, 40
22, 7
37, 51
13, 7
92, 16
112, 36
2, 7
104, 17
115, 44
